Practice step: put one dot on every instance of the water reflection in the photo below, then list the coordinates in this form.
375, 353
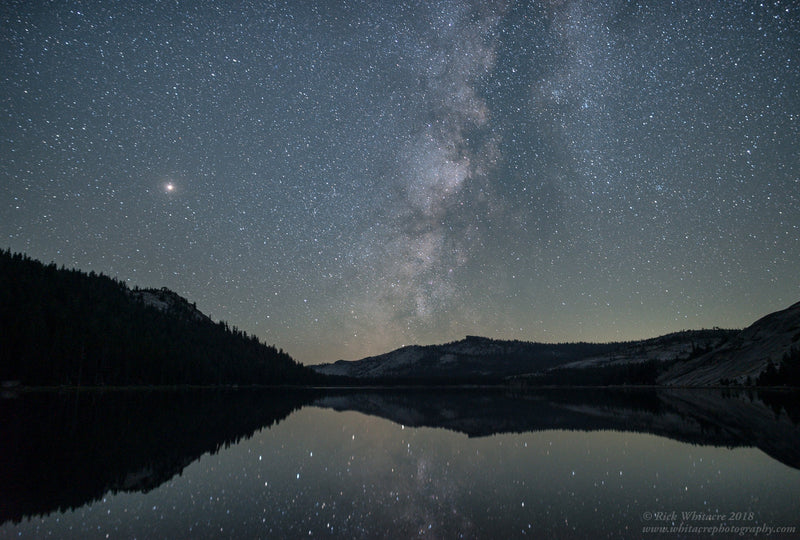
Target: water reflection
62, 449
376, 464
768, 421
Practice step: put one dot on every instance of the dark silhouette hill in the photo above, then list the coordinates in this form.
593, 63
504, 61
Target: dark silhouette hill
66, 327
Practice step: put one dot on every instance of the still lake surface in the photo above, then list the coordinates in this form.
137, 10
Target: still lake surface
446, 464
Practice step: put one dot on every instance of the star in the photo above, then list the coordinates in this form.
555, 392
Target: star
417, 171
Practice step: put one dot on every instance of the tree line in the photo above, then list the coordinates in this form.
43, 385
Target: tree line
66, 327
785, 373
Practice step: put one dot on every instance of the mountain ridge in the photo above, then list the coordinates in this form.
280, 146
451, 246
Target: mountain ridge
66, 327
691, 358
476, 357
770, 340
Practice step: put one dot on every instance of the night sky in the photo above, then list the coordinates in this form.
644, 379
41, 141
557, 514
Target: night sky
344, 178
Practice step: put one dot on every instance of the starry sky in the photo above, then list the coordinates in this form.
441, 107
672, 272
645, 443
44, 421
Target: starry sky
342, 178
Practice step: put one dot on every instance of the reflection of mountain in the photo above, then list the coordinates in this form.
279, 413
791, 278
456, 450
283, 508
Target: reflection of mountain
61, 450
705, 417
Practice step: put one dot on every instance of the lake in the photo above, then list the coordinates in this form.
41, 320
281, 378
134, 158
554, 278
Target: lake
472, 463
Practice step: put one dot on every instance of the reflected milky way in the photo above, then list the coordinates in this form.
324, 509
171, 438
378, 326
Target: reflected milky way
344, 178
321, 472
72, 449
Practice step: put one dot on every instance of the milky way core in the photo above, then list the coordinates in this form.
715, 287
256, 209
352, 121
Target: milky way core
344, 178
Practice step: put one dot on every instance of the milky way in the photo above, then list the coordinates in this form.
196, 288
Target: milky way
348, 177
427, 235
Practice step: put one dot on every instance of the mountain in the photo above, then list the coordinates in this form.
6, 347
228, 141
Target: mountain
168, 301
473, 359
66, 327
631, 363
477, 359
771, 340
766, 353
663, 349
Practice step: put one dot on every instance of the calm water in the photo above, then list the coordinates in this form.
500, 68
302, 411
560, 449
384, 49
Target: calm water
323, 472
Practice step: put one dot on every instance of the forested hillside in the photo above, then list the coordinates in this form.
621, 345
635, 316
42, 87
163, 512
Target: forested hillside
60, 326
